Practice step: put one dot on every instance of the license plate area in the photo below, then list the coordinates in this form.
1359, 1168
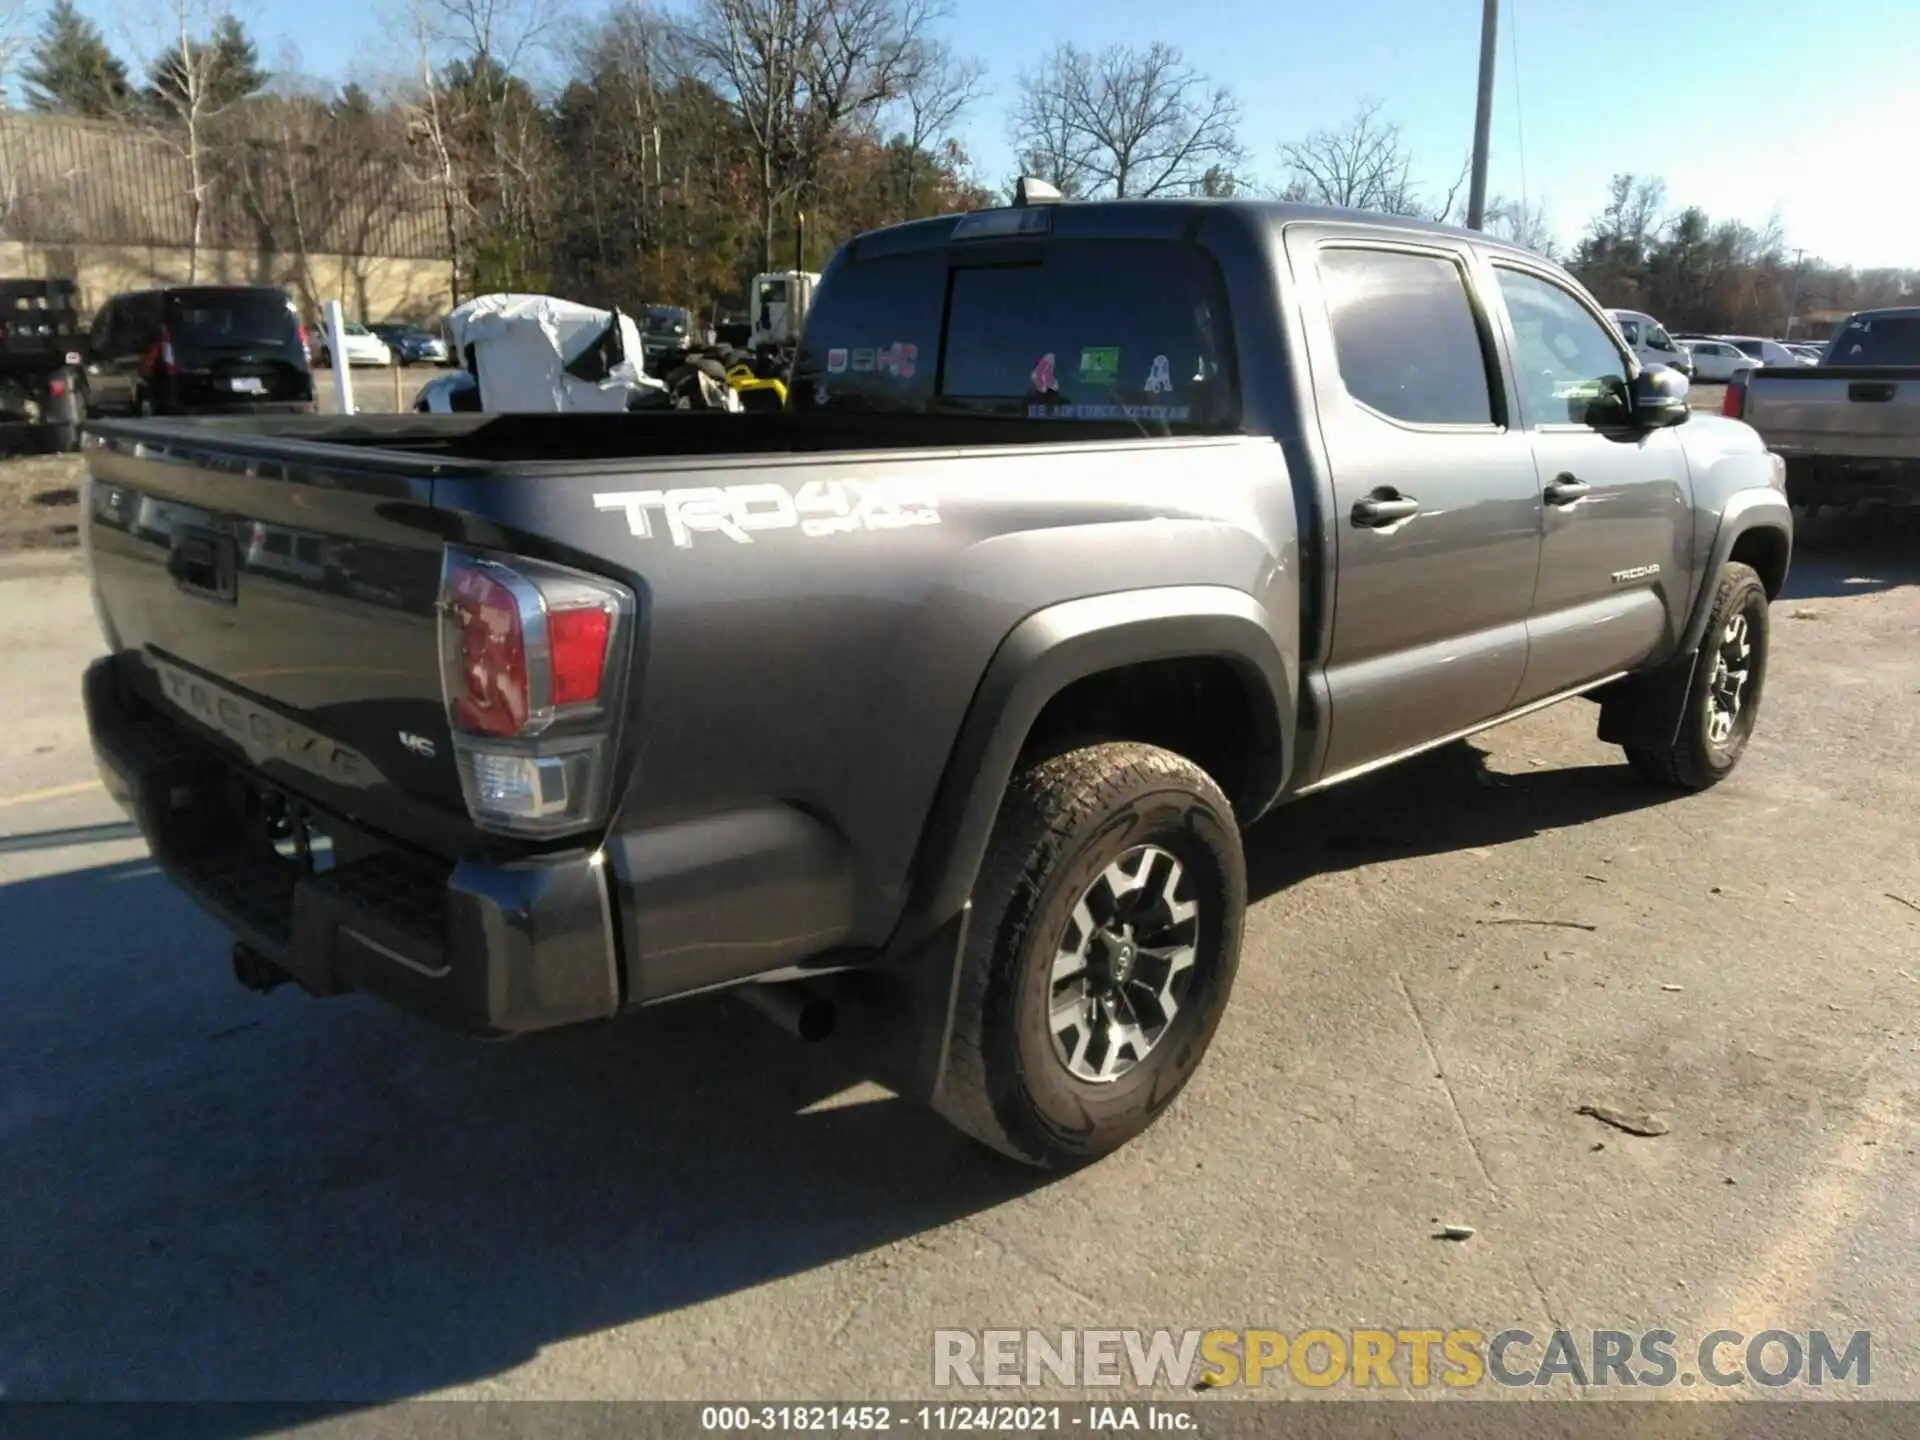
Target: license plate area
246, 385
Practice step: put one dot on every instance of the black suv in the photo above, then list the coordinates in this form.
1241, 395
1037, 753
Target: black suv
198, 349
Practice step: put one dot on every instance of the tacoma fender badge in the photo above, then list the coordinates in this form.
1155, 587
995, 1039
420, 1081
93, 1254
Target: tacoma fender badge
1639, 572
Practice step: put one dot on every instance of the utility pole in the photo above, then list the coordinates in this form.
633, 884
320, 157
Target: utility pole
1483, 116
1793, 302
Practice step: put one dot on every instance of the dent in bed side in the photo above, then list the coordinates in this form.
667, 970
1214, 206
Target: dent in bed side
1070, 642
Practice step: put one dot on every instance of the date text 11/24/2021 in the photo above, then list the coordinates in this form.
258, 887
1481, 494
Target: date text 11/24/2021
989, 1419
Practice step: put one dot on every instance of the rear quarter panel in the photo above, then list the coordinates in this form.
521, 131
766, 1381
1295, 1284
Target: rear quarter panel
832, 670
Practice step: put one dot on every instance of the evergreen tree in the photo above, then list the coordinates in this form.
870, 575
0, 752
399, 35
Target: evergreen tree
73, 70
226, 63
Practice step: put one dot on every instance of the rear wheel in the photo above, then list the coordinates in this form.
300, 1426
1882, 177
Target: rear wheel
1105, 937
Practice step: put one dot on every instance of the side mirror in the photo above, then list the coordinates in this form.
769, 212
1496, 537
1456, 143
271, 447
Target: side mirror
1659, 398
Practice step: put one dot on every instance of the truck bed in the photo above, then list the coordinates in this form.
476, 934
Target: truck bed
475, 444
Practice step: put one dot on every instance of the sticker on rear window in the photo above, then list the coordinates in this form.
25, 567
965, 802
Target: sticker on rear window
1170, 413
1042, 376
836, 362
1100, 363
1159, 377
863, 360
897, 359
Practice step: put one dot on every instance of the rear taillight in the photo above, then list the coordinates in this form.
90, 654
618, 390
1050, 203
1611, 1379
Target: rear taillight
303, 340
532, 658
159, 359
1734, 404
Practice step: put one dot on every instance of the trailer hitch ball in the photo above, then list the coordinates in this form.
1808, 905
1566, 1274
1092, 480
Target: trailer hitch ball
255, 971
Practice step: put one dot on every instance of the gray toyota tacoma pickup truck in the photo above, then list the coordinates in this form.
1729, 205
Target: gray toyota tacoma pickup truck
930, 710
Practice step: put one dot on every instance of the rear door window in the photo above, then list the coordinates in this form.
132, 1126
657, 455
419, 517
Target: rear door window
1406, 337
1070, 331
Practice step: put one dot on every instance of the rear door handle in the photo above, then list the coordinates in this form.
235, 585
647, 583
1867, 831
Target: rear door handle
1565, 490
1380, 510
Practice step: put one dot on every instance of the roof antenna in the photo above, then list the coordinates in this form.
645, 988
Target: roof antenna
1031, 190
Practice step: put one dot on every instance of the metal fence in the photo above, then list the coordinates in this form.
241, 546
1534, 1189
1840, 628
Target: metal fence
76, 182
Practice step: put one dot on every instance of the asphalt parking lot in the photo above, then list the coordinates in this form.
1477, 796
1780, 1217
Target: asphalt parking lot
217, 1195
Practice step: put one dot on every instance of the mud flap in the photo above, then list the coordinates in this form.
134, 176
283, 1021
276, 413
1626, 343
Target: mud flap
894, 1019
1647, 709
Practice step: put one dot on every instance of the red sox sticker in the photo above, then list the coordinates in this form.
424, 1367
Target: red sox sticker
897, 359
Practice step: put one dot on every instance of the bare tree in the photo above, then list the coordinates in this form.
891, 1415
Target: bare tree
936, 88
1124, 122
1522, 224
193, 87
1364, 165
13, 44
470, 116
797, 71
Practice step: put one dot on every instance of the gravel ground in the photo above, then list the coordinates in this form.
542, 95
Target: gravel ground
212, 1194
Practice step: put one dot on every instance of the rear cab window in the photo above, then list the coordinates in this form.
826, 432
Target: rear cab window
1876, 340
1064, 331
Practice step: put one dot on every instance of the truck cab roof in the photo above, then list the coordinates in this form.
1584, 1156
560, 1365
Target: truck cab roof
1152, 219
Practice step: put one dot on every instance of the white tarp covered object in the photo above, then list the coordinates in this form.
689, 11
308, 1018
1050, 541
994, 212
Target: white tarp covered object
543, 354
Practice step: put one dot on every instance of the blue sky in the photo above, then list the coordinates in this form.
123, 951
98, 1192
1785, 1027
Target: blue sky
1809, 110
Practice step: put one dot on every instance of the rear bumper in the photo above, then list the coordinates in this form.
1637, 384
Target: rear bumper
488, 948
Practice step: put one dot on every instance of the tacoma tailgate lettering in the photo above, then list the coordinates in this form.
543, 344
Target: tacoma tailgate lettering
821, 507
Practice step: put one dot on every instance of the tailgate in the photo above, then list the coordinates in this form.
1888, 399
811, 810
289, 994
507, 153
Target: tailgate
289, 613
1863, 412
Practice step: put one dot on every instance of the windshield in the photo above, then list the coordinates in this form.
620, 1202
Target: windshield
229, 319
666, 317
1079, 331
1877, 340
773, 292
1755, 349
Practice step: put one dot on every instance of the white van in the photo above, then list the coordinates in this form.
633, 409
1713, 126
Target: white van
1650, 340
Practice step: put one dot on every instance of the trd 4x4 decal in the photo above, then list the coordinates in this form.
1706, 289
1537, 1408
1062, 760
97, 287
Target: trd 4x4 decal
819, 507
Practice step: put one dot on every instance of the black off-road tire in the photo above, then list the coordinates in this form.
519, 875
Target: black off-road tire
1677, 751
1065, 819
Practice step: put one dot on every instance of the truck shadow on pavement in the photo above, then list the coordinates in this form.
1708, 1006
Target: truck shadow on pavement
217, 1195
1856, 555
1442, 801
